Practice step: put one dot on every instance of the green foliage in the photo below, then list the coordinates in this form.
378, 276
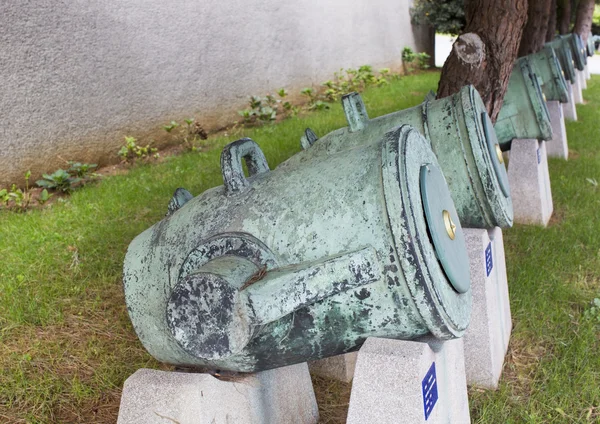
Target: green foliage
408, 55
16, 198
81, 170
319, 105
265, 109
59, 180
596, 20
349, 80
131, 150
44, 196
4, 198
191, 136
65, 181
409, 58
446, 16
423, 60
170, 126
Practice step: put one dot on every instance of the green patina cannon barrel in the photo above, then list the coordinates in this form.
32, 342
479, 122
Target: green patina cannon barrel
524, 113
565, 57
462, 137
552, 79
578, 52
590, 48
302, 262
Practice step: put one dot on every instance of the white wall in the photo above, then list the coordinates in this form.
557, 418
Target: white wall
78, 75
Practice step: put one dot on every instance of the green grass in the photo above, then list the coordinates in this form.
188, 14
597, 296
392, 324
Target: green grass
66, 343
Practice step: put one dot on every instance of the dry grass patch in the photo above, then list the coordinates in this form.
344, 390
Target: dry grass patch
333, 398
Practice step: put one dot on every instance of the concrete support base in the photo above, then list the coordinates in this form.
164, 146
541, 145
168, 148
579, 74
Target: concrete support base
557, 147
486, 339
409, 382
577, 93
530, 182
340, 367
569, 110
582, 79
283, 395
588, 74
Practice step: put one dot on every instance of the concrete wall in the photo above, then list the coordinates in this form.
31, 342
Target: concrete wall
78, 75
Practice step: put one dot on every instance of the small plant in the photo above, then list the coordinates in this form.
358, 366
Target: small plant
17, 197
59, 180
349, 80
190, 135
319, 105
170, 126
131, 150
44, 196
408, 56
265, 109
82, 170
310, 94
423, 60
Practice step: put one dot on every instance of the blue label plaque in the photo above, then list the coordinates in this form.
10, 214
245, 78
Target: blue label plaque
430, 392
539, 156
489, 260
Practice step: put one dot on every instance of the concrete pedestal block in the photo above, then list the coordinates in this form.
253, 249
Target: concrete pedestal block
577, 93
283, 395
529, 182
557, 147
569, 110
340, 367
486, 339
409, 382
588, 74
582, 79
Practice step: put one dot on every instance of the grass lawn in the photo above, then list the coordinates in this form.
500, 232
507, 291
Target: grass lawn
66, 343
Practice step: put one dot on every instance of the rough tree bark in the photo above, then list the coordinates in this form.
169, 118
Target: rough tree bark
583, 19
534, 34
551, 32
564, 16
485, 53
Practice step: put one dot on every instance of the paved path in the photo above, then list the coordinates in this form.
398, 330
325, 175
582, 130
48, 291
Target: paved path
443, 47
593, 63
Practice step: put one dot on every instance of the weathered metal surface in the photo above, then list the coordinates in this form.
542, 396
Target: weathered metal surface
524, 113
180, 198
575, 43
546, 66
455, 127
590, 48
299, 263
565, 57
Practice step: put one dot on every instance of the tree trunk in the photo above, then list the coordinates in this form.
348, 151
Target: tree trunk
583, 19
484, 54
551, 32
564, 16
534, 34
